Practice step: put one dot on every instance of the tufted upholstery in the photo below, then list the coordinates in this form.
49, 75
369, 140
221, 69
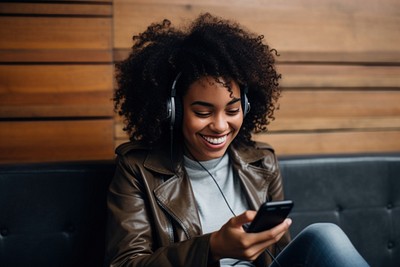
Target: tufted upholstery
360, 193
54, 214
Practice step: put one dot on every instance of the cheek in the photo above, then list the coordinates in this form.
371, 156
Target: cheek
191, 125
237, 123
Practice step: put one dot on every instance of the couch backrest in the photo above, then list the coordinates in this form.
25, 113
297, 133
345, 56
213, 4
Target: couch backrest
360, 193
53, 214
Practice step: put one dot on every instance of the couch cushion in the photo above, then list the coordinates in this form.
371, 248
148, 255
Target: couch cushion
53, 214
360, 193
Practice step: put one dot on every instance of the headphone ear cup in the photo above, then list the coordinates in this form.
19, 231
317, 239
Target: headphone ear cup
178, 113
245, 105
171, 111
174, 106
175, 112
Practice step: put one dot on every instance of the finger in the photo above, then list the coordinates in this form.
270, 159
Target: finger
272, 235
252, 252
283, 227
258, 248
243, 218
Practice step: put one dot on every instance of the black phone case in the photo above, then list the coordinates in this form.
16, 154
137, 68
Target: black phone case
269, 215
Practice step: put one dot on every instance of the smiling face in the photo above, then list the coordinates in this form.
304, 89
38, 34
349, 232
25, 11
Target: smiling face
212, 118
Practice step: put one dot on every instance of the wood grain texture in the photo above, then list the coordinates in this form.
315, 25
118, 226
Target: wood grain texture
55, 56
380, 58
55, 78
42, 141
333, 142
337, 76
56, 81
81, 9
301, 25
55, 33
339, 103
55, 90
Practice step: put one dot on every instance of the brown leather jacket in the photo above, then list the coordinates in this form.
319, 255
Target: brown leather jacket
153, 219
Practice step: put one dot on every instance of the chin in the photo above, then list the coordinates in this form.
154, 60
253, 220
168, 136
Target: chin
215, 155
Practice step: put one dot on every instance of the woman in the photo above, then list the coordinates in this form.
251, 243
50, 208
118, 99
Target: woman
191, 176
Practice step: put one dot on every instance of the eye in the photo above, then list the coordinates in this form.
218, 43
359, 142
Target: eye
233, 111
202, 114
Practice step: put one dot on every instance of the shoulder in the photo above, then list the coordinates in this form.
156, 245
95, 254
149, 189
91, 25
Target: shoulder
264, 147
131, 156
156, 158
130, 147
256, 150
259, 154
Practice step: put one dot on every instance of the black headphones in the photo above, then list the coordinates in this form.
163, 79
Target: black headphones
175, 109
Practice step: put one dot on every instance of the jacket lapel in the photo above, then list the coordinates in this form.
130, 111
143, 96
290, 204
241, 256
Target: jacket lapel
175, 194
176, 197
254, 180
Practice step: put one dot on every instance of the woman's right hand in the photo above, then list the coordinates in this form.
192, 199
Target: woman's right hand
231, 241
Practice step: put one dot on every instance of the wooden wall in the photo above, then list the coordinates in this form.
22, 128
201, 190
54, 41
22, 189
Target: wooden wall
340, 62
56, 70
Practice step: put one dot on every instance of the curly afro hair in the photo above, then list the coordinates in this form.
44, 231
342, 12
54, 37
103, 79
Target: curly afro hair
209, 46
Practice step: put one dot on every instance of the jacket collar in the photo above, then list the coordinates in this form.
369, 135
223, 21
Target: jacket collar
160, 159
254, 179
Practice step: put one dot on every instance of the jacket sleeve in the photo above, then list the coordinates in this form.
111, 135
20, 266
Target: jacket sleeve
131, 240
275, 193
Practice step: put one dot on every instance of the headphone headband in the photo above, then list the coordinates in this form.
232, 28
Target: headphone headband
173, 89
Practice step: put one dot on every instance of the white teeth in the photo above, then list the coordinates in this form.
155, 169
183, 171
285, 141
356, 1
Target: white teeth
215, 141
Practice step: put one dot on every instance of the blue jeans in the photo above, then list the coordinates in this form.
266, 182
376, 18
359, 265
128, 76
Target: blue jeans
320, 245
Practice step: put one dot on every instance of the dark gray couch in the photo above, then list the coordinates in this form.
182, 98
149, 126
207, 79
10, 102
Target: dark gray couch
360, 193
54, 214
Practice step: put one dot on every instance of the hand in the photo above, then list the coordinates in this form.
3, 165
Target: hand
231, 241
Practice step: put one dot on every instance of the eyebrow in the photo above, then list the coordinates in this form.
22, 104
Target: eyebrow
206, 104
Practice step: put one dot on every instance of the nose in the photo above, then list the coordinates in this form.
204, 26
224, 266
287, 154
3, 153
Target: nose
219, 123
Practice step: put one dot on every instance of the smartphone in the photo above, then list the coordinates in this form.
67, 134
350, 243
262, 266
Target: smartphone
270, 214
